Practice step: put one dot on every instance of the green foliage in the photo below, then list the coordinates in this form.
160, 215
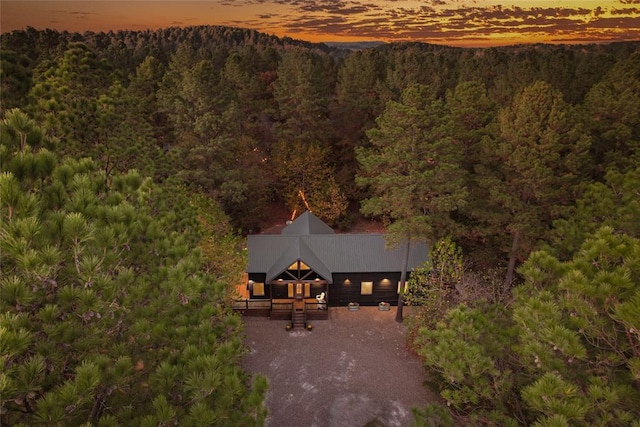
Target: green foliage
15, 78
358, 104
613, 203
466, 353
108, 316
20, 132
63, 97
564, 353
434, 287
215, 154
302, 157
220, 247
125, 141
223, 110
540, 159
612, 107
412, 169
578, 319
557, 399
301, 92
433, 415
413, 172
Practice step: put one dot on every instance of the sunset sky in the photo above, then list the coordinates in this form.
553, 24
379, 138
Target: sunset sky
449, 22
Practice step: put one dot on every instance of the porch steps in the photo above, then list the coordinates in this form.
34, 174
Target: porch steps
297, 319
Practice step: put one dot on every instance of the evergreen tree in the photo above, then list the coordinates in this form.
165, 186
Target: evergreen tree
124, 138
565, 353
413, 170
302, 155
64, 96
143, 86
613, 203
15, 79
358, 104
579, 324
534, 168
108, 317
468, 358
434, 287
471, 123
302, 94
612, 109
215, 157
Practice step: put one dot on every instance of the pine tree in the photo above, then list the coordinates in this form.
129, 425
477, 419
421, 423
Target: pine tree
302, 155
612, 115
108, 316
413, 170
613, 203
301, 92
579, 338
538, 161
468, 358
471, 124
358, 104
64, 94
15, 79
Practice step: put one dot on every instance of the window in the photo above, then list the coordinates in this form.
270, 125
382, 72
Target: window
366, 288
298, 270
258, 289
304, 266
406, 286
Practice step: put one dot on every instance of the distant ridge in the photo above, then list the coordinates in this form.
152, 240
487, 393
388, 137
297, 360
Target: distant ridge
354, 45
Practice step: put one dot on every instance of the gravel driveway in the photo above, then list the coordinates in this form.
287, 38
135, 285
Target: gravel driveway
351, 370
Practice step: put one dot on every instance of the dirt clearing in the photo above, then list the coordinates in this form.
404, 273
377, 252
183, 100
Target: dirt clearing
351, 370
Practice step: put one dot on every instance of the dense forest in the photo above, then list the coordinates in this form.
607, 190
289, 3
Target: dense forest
133, 163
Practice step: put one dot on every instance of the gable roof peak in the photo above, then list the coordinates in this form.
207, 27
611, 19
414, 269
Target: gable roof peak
307, 224
299, 251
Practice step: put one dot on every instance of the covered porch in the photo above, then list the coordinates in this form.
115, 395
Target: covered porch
299, 301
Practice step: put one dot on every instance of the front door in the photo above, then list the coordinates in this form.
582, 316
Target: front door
298, 301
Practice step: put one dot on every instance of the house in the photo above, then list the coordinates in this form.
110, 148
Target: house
308, 266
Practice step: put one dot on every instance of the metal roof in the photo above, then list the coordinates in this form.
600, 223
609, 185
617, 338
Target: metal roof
306, 224
298, 250
328, 253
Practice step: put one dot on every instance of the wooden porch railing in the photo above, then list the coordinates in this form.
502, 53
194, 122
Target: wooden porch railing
316, 311
279, 309
281, 306
252, 307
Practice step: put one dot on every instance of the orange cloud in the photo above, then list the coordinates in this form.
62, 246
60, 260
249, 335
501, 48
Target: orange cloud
453, 22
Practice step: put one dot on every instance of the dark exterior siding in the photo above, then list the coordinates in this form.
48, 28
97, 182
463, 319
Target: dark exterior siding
341, 293
279, 290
